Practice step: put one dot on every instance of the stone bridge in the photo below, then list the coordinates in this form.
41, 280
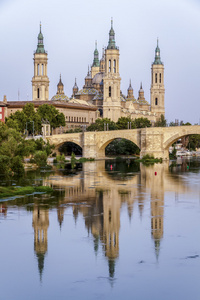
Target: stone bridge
154, 140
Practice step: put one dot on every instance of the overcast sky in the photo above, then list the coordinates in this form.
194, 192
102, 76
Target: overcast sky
70, 29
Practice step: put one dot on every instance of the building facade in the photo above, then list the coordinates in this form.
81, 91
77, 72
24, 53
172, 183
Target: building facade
103, 87
101, 95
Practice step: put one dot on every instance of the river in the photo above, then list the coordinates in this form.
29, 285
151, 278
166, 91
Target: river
111, 230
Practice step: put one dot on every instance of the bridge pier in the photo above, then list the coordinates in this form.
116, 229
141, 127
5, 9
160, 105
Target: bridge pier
152, 143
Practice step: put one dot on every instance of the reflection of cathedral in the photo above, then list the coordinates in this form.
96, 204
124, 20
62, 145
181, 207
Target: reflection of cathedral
101, 206
40, 225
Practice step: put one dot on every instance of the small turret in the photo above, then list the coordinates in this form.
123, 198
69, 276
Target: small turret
102, 62
60, 87
130, 91
88, 79
141, 94
75, 89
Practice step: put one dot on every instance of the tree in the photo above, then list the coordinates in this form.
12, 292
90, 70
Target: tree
142, 123
162, 122
99, 125
31, 120
122, 123
51, 114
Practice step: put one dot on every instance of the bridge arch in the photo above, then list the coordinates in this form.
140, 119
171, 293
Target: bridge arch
103, 146
130, 135
180, 133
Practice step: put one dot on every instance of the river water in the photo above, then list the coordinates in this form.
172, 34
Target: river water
111, 230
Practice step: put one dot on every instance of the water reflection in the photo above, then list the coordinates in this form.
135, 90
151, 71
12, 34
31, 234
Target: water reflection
40, 224
98, 193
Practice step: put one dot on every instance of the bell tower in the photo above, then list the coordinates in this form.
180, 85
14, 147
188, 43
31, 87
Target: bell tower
40, 80
111, 80
157, 85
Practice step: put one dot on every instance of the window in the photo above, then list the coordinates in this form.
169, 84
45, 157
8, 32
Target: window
38, 93
69, 119
109, 65
38, 69
156, 78
72, 119
109, 91
114, 67
160, 77
42, 69
156, 101
82, 119
0, 109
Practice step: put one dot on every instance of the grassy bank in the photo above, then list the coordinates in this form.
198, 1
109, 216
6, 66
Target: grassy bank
27, 190
148, 159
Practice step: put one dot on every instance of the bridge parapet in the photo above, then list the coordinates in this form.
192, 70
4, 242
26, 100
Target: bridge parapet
154, 140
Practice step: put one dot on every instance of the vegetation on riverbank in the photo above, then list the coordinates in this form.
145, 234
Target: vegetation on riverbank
27, 190
14, 148
149, 159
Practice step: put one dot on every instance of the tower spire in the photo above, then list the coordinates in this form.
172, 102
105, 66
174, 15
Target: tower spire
40, 45
157, 60
96, 56
111, 43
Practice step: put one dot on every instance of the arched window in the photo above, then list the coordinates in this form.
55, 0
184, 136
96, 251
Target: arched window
69, 119
114, 66
109, 65
160, 77
109, 91
156, 101
38, 69
156, 78
42, 70
38, 93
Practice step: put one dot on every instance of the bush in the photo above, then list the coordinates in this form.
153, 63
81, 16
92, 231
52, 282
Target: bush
40, 158
17, 166
4, 165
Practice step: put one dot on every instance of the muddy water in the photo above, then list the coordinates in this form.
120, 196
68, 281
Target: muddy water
111, 230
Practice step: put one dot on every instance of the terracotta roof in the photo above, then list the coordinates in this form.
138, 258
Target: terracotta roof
20, 104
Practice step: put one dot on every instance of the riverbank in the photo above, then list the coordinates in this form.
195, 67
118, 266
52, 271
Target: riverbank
20, 191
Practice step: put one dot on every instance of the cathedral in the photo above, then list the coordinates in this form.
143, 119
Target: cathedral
101, 95
102, 87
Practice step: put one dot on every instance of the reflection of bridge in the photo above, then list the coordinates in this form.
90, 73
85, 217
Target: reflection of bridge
154, 140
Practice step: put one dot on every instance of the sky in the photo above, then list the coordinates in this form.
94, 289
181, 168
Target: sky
70, 29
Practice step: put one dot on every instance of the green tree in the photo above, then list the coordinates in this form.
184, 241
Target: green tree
142, 123
40, 158
162, 122
99, 125
51, 114
122, 123
31, 120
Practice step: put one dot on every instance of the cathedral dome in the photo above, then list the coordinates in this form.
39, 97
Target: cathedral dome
60, 97
97, 78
